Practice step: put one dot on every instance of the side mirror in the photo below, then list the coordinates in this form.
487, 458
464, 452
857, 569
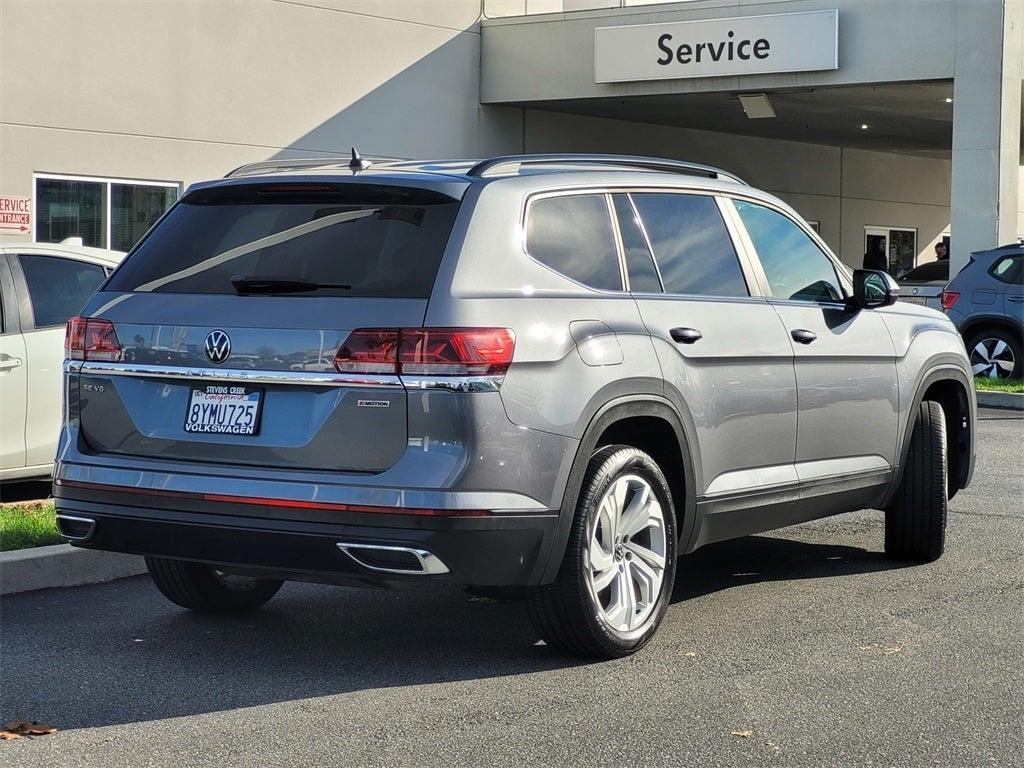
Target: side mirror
873, 288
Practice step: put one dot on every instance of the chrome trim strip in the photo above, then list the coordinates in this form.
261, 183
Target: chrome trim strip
430, 565
73, 518
454, 383
310, 378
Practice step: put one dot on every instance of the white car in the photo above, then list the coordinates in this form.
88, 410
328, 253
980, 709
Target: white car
41, 286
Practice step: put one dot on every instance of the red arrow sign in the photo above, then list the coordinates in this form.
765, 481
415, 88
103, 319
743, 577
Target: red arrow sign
21, 227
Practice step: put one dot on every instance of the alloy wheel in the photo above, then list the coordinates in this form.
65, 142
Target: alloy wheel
992, 358
627, 554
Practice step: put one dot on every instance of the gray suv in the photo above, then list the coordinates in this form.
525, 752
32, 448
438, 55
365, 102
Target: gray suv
544, 377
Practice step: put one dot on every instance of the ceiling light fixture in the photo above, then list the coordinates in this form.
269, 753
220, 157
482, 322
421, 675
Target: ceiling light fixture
757, 106
864, 126
949, 99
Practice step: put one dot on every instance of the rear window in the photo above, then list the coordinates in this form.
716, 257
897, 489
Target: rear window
933, 270
573, 235
338, 240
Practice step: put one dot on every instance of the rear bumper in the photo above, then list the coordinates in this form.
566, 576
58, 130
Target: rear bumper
494, 550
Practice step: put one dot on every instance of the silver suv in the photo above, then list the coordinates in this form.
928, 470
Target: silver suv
538, 376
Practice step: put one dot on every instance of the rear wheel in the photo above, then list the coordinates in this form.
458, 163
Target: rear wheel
995, 353
915, 523
615, 581
200, 587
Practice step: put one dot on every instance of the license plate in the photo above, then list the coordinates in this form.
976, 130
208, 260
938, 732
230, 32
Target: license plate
914, 299
224, 409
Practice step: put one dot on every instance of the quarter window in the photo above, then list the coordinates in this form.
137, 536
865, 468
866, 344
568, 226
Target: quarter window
1007, 269
691, 244
572, 234
58, 288
796, 268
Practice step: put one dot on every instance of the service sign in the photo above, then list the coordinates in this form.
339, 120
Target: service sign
15, 214
746, 45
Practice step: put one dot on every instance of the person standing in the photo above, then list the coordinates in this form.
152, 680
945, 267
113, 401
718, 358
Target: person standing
941, 251
878, 258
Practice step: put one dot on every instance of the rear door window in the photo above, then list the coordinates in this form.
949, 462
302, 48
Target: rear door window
58, 288
317, 239
573, 235
691, 244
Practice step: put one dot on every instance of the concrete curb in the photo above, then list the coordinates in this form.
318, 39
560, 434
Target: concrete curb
62, 565
1001, 400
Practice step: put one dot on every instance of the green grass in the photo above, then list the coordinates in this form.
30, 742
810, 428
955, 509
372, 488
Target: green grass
999, 385
28, 525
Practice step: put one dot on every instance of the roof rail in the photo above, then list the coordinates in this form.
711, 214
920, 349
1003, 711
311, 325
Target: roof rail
616, 161
302, 164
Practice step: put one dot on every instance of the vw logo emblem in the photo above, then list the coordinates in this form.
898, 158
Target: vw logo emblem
218, 346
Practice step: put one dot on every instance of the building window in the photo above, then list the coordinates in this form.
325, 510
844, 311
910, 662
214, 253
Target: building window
893, 249
105, 213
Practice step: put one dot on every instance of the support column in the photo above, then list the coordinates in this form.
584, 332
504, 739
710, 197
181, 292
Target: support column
987, 73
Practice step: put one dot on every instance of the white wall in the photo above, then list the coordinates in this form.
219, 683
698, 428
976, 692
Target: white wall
181, 91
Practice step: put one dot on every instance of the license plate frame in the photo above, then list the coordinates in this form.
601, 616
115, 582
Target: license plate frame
919, 300
213, 395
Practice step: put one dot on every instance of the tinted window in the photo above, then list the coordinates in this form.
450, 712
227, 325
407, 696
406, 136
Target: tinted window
643, 276
693, 248
1007, 269
796, 268
572, 234
350, 240
933, 270
58, 288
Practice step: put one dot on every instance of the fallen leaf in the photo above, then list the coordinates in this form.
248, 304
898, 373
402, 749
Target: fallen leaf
742, 734
18, 728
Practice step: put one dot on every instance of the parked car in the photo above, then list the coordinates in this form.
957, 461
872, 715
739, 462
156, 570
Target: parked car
986, 303
542, 376
923, 284
41, 286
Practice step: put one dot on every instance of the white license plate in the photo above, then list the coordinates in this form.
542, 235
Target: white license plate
914, 299
224, 409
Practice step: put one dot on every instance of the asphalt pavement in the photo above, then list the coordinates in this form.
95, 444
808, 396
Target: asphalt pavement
804, 647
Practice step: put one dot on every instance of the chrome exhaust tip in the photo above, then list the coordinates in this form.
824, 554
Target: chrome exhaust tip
391, 559
75, 528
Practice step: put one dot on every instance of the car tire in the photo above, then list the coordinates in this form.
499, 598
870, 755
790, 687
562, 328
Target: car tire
915, 522
200, 587
607, 601
998, 350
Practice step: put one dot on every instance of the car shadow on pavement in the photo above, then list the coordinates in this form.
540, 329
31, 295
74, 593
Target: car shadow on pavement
755, 559
120, 653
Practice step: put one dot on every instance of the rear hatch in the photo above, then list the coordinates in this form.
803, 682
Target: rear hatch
229, 315
924, 284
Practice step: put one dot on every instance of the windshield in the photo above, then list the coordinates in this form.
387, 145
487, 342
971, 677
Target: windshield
345, 240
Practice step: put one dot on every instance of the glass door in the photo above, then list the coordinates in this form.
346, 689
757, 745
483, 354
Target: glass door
893, 249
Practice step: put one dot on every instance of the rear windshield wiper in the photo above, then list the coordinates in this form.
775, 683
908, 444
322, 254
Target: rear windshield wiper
251, 285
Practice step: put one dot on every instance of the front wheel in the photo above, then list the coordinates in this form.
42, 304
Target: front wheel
915, 522
615, 581
200, 587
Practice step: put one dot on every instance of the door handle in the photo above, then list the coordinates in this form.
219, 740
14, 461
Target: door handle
685, 335
7, 362
803, 336
1015, 299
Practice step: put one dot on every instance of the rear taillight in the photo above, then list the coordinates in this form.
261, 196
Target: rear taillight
89, 339
949, 298
427, 351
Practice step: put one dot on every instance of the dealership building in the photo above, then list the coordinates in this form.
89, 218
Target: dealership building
895, 121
